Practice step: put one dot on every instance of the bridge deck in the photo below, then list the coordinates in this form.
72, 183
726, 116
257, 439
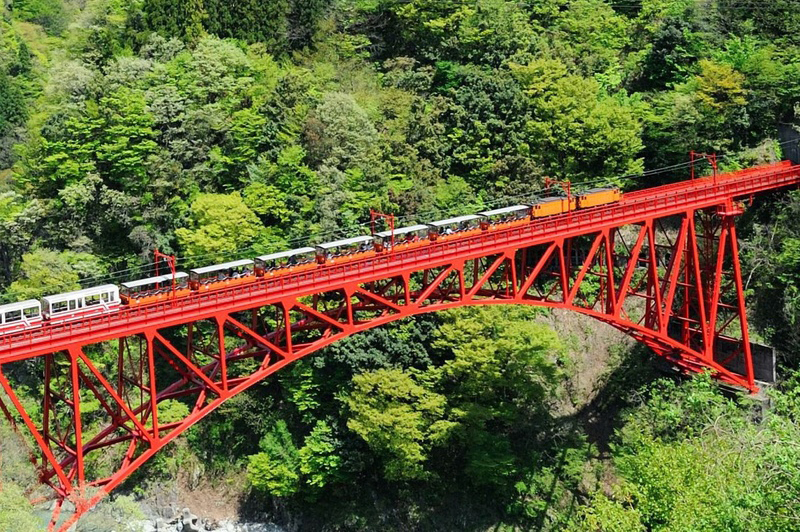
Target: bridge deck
634, 207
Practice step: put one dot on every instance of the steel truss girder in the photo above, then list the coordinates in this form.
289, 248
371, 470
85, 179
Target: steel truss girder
639, 278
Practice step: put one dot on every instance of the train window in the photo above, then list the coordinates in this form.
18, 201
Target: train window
73, 304
31, 312
92, 300
13, 315
60, 306
107, 296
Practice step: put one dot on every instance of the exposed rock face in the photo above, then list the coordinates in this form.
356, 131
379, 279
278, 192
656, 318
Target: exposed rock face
188, 522
191, 523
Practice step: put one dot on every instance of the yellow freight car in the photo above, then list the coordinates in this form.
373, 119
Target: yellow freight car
551, 206
598, 196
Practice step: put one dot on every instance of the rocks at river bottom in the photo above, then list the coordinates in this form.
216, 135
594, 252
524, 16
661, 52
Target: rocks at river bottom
186, 521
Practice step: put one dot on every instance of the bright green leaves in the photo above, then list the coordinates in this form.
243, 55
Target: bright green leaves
493, 358
215, 70
720, 88
703, 113
275, 469
454, 196
399, 418
610, 515
246, 136
281, 468
126, 139
576, 129
267, 201
502, 370
688, 486
291, 174
320, 457
688, 458
222, 224
395, 401
113, 137
45, 272
591, 35
172, 411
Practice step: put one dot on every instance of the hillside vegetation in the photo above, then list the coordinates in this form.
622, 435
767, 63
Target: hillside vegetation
216, 130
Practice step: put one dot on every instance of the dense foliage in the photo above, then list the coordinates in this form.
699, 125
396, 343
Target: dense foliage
215, 130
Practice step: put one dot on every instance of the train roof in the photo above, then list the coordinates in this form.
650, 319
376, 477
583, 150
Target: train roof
285, 254
599, 189
81, 293
403, 230
505, 210
153, 280
552, 199
20, 305
456, 220
223, 266
345, 242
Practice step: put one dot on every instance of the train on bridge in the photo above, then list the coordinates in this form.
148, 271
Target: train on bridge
108, 298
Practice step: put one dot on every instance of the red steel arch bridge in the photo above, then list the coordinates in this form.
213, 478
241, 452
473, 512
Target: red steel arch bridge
661, 265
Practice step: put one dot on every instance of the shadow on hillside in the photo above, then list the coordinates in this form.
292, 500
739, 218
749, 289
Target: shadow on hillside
596, 422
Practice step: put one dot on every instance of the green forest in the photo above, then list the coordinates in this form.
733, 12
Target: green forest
215, 130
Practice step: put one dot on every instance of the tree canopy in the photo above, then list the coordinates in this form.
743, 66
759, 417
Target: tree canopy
218, 130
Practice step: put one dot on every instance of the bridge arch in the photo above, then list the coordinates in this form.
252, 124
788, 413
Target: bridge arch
662, 266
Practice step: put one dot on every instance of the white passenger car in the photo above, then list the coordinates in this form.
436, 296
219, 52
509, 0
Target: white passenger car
22, 315
81, 303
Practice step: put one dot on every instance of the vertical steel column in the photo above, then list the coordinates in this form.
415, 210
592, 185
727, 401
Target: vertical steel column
151, 365
223, 354
698, 285
121, 372
654, 302
737, 275
48, 375
716, 292
76, 413
287, 321
611, 297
